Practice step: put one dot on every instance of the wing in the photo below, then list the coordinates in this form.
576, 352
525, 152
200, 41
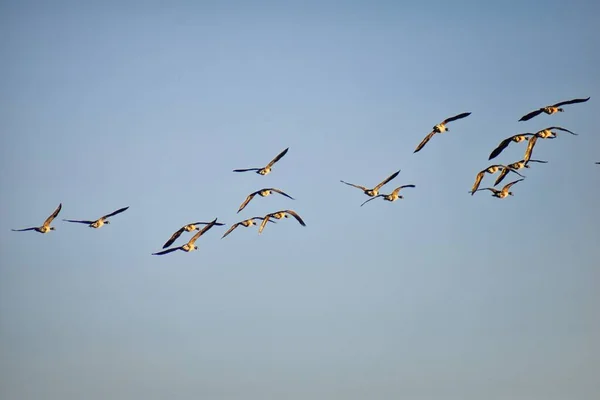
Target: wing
247, 169
23, 230
245, 203
265, 219
79, 221
372, 198
202, 231
574, 101
295, 215
532, 114
160, 253
389, 178
273, 161
281, 192
478, 179
490, 189
459, 116
356, 186
54, 214
530, 147
206, 223
537, 161
510, 184
399, 188
120, 210
173, 238
424, 142
512, 170
558, 128
502, 176
230, 229
503, 144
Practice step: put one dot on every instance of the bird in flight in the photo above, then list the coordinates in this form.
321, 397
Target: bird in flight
247, 222
279, 215
263, 193
501, 193
191, 245
548, 134
504, 144
100, 221
375, 190
492, 169
440, 128
554, 108
45, 228
392, 196
194, 226
267, 169
515, 166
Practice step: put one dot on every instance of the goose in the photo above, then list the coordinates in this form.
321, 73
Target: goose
492, 169
279, 215
440, 128
501, 193
45, 228
392, 196
188, 228
263, 193
100, 221
191, 245
551, 109
504, 144
375, 190
247, 222
514, 166
548, 134
267, 169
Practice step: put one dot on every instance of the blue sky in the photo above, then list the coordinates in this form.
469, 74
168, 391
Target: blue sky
441, 295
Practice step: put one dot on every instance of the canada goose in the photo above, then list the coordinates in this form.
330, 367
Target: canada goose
188, 228
189, 246
375, 190
392, 196
247, 222
501, 193
263, 193
513, 167
100, 221
440, 128
548, 134
492, 169
267, 169
504, 144
551, 109
279, 215
45, 228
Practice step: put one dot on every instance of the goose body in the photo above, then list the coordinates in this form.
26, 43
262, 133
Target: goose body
440, 128
374, 191
100, 222
395, 195
266, 169
45, 228
504, 192
553, 109
262, 193
280, 215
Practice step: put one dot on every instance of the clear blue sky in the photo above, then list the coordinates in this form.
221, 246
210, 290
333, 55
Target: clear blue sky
441, 295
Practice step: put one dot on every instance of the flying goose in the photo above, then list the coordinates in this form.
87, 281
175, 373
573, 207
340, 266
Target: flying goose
263, 193
504, 144
492, 169
188, 228
514, 166
100, 221
440, 128
247, 222
279, 215
267, 169
548, 134
392, 196
501, 193
189, 246
45, 228
551, 109
375, 190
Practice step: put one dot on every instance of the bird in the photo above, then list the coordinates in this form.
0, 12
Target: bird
440, 128
501, 193
191, 245
45, 228
551, 109
263, 193
492, 169
515, 166
375, 190
188, 228
247, 222
100, 221
267, 169
392, 196
504, 144
279, 215
548, 134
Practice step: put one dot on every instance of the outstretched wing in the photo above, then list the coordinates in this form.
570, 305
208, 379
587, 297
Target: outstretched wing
282, 193
206, 223
537, 161
503, 144
356, 186
490, 189
245, 203
202, 231
478, 179
79, 221
160, 253
558, 128
459, 116
424, 141
230, 229
372, 198
502, 176
295, 215
399, 188
173, 238
54, 214
120, 210
508, 185
530, 147
386, 180
532, 114
247, 169
265, 219
23, 230
273, 161
574, 101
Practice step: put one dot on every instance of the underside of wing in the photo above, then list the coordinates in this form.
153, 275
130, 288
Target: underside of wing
424, 141
574, 101
459, 116
532, 114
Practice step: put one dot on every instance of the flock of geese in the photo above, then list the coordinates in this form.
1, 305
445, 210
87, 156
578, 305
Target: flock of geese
373, 193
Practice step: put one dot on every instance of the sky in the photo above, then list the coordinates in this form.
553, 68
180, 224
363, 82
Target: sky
440, 295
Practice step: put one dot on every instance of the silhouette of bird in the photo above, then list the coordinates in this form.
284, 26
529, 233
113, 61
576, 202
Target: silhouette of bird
554, 108
45, 228
194, 226
515, 166
100, 221
263, 193
375, 190
501, 193
190, 245
279, 215
492, 169
267, 169
440, 128
247, 222
392, 196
